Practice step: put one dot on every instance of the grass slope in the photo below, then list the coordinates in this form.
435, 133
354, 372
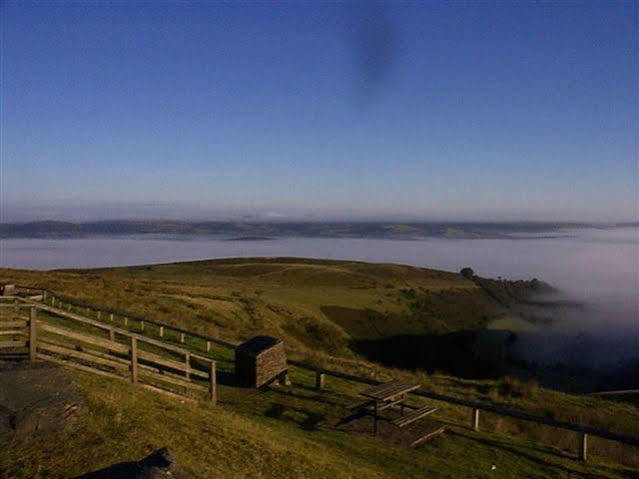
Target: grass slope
315, 305
269, 434
320, 308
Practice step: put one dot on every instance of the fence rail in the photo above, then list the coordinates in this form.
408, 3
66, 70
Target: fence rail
119, 354
624, 392
583, 431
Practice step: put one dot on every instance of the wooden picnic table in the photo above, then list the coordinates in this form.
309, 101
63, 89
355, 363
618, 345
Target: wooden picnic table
386, 395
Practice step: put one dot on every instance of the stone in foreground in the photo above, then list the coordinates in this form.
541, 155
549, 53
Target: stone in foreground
36, 399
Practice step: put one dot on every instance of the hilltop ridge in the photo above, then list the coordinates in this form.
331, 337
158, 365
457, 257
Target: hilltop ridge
318, 229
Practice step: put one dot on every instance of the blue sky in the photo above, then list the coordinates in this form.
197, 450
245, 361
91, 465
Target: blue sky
429, 110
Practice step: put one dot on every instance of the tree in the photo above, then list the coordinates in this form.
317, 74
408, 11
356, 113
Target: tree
467, 273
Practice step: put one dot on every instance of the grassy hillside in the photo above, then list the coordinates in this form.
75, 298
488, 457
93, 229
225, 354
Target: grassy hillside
327, 312
283, 432
330, 307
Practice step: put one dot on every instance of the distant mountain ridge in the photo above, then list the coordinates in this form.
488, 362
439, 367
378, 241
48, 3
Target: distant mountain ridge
231, 229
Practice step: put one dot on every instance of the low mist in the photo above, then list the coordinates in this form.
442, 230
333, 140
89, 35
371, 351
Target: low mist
594, 316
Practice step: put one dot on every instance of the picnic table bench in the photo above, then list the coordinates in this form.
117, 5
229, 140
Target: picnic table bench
413, 416
387, 395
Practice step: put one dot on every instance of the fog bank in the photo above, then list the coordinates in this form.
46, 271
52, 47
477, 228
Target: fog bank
598, 268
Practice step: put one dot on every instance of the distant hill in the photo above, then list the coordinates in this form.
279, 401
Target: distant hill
228, 229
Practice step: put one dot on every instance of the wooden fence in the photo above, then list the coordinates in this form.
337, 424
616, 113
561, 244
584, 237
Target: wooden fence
13, 328
583, 431
92, 346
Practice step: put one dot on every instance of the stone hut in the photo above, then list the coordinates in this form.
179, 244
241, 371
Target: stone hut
260, 360
7, 289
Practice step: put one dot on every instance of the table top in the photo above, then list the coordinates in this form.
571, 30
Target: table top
389, 390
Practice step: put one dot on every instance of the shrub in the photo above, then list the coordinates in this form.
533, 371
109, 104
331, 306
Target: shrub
408, 292
467, 273
516, 387
325, 334
318, 334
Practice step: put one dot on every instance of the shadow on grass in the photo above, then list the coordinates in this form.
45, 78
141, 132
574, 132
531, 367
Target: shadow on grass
121, 470
227, 379
508, 446
159, 464
467, 354
310, 423
312, 388
351, 417
315, 398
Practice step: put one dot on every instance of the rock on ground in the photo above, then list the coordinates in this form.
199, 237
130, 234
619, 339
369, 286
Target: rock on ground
36, 399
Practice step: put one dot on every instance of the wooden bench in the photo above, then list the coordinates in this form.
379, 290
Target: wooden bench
427, 434
386, 395
413, 416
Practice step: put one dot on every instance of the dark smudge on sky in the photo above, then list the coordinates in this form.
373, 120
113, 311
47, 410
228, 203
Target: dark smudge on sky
373, 35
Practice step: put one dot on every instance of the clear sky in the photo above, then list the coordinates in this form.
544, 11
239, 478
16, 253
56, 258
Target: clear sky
425, 110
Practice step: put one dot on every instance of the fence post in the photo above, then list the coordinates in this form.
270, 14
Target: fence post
583, 446
68, 307
52, 301
134, 360
111, 317
161, 331
126, 320
99, 314
182, 337
213, 383
319, 379
32, 334
141, 325
44, 296
111, 334
208, 346
475, 419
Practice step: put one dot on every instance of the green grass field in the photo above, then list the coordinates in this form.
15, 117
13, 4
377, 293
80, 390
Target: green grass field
316, 306
243, 437
321, 309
